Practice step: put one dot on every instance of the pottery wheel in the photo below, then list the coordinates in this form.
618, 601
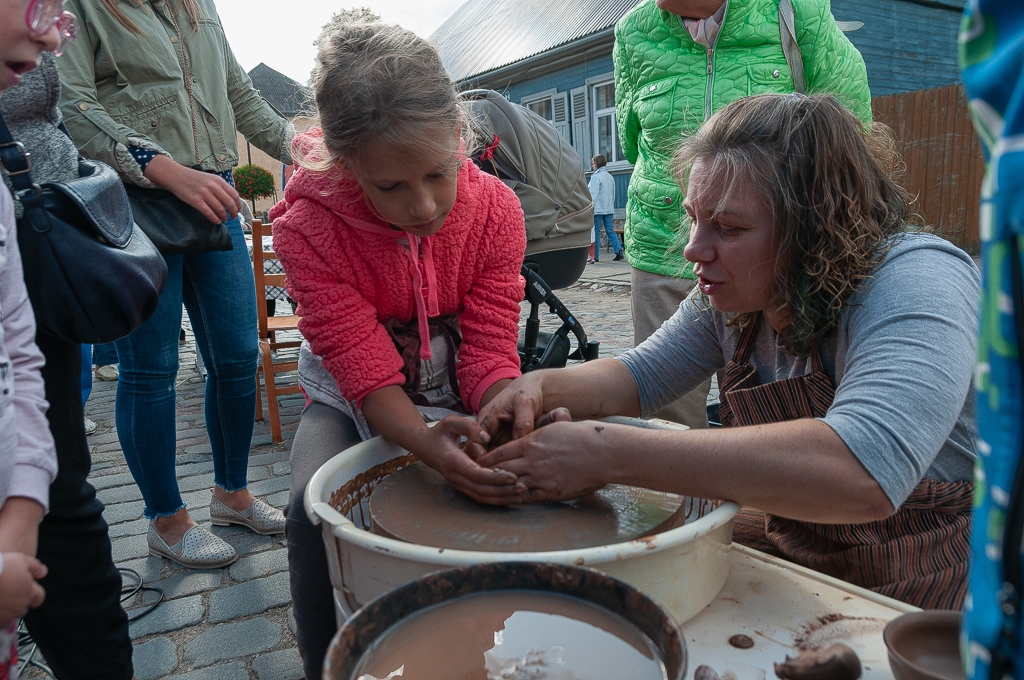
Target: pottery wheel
417, 505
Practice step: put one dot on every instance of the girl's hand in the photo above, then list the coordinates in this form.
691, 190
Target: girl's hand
19, 591
206, 192
442, 449
561, 461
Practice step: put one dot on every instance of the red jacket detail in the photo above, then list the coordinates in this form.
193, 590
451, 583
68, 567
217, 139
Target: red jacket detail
349, 272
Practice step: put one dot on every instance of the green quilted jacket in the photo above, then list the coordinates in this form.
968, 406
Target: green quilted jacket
666, 85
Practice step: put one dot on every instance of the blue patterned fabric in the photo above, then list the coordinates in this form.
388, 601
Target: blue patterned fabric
992, 58
144, 156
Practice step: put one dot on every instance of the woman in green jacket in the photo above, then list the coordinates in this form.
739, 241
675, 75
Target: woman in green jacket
152, 89
676, 63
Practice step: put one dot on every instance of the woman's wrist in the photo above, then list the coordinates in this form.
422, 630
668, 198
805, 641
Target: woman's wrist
161, 170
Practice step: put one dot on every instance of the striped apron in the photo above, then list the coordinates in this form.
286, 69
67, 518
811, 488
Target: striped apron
918, 555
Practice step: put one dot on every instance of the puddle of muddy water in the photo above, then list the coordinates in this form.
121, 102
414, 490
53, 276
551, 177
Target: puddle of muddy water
513, 636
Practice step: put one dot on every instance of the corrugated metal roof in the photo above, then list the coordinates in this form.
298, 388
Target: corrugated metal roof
283, 93
484, 35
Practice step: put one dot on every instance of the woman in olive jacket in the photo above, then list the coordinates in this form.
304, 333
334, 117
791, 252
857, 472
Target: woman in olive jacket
152, 89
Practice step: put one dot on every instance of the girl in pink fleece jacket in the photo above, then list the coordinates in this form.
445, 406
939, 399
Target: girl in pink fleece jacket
404, 259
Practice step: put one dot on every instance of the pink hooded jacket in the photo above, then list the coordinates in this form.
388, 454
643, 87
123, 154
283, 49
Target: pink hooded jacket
349, 272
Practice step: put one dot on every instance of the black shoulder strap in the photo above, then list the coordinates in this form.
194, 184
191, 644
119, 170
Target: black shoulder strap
18, 164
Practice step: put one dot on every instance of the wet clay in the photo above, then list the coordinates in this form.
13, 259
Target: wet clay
512, 636
417, 505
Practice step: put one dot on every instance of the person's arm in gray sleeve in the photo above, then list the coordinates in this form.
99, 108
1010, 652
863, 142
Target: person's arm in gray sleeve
910, 361
681, 355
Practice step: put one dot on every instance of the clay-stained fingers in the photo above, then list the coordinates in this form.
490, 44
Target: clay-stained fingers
508, 494
502, 455
558, 415
466, 427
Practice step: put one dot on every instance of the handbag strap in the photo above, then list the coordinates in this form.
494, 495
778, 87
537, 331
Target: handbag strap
18, 164
790, 46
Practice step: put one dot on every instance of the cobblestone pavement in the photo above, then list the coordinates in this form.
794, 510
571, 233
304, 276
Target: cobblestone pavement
235, 623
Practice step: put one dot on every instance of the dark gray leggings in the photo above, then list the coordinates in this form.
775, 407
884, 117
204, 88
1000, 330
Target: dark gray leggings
323, 433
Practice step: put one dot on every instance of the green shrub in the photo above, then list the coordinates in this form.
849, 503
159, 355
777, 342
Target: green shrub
253, 182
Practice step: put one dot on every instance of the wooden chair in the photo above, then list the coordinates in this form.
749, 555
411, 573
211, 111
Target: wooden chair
269, 326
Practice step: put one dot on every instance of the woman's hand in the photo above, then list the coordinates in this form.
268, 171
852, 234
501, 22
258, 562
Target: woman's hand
513, 413
561, 461
206, 192
441, 447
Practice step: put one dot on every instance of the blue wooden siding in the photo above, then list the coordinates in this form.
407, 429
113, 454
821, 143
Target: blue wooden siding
562, 80
621, 188
906, 46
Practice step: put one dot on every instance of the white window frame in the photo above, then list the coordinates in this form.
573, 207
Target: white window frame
592, 84
538, 96
559, 103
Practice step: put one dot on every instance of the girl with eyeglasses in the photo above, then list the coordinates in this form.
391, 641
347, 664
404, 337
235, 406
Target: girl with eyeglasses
153, 90
27, 459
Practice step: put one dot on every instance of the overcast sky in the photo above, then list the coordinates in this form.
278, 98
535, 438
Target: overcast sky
280, 33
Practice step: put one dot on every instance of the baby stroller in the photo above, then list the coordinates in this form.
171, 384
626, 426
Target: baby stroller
527, 153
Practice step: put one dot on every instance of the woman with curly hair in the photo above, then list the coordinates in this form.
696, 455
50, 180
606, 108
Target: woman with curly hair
848, 343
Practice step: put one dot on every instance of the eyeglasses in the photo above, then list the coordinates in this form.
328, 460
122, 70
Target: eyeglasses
42, 15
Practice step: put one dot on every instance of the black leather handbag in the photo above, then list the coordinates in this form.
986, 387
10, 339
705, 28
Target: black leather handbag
91, 275
173, 225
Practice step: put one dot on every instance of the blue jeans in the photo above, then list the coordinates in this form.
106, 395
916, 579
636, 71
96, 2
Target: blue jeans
103, 355
220, 296
86, 372
606, 222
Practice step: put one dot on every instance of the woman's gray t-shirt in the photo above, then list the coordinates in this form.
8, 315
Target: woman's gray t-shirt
902, 362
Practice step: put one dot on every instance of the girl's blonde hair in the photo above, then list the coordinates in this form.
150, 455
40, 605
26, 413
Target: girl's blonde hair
830, 183
378, 83
192, 10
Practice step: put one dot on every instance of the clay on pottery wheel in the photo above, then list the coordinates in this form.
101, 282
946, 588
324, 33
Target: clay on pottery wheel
418, 506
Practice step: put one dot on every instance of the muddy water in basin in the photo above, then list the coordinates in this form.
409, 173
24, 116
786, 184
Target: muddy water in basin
418, 506
521, 635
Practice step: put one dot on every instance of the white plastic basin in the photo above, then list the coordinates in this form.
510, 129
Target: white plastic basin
682, 568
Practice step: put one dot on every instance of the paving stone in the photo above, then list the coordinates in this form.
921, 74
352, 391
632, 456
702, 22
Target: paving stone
278, 500
169, 616
224, 671
199, 448
269, 485
285, 664
105, 438
150, 568
108, 481
232, 641
138, 526
189, 583
248, 542
231, 530
252, 597
120, 494
257, 473
268, 458
283, 467
195, 483
129, 548
260, 564
196, 499
155, 658
192, 458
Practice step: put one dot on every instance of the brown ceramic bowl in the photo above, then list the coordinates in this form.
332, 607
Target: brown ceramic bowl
374, 619
925, 646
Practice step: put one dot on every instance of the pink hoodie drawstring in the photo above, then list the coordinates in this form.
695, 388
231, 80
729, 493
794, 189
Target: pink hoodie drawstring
426, 295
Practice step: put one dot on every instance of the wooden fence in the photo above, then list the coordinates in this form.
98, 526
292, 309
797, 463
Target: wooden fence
944, 165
